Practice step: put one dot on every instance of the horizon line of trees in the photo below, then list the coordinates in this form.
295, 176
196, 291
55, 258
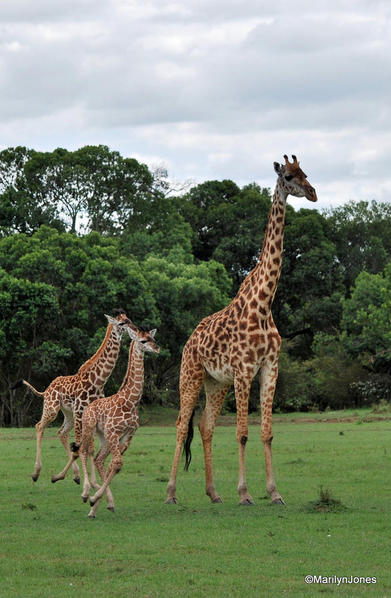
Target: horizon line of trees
84, 232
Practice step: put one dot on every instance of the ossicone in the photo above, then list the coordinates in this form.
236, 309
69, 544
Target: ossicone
294, 159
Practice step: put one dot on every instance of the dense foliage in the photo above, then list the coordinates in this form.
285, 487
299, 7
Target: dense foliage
84, 232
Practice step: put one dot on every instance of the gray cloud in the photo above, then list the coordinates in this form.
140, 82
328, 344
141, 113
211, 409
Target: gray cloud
43, 11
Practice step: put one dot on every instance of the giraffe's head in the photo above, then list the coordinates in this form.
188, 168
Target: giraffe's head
121, 323
293, 180
146, 341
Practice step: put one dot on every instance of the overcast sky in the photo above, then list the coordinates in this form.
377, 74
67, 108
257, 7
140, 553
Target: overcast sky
211, 89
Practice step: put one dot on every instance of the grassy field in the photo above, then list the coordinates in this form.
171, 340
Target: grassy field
49, 548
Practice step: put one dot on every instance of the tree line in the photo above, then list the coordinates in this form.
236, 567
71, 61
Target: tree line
84, 232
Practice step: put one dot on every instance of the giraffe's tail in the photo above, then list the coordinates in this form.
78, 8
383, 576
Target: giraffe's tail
189, 438
21, 382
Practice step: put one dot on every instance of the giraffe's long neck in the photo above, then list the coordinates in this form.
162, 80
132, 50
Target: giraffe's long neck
260, 286
132, 385
102, 363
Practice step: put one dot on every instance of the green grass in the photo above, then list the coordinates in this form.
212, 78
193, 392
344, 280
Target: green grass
49, 548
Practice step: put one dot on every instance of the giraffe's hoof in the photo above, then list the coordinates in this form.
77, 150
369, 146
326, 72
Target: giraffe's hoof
76, 480
92, 502
216, 500
91, 516
111, 509
172, 500
246, 502
55, 479
84, 498
278, 501
35, 477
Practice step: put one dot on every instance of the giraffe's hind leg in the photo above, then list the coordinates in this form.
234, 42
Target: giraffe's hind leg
242, 393
63, 435
192, 377
215, 394
50, 410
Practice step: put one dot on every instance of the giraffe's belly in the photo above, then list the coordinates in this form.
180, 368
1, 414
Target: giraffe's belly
220, 372
225, 370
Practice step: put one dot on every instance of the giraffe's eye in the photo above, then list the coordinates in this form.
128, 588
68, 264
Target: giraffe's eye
288, 177
143, 341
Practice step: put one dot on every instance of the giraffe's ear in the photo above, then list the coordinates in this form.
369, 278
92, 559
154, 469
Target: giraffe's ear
278, 168
152, 332
133, 334
111, 320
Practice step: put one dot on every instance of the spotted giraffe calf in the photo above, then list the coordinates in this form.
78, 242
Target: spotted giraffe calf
73, 393
115, 421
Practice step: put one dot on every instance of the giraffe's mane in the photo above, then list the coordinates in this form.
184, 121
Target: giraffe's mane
96, 356
250, 275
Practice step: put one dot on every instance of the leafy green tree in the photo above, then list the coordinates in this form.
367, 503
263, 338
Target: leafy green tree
91, 188
366, 318
184, 293
79, 279
19, 210
239, 248
334, 374
361, 234
29, 315
173, 232
228, 223
61, 285
94, 182
205, 208
308, 297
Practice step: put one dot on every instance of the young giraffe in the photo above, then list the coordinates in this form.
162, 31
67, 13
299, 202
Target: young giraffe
233, 345
115, 420
73, 393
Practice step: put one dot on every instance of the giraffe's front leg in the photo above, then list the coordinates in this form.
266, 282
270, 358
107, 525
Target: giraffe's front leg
82, 451
114, 468
91, 450
86, 485
242, 392
268, 384
100, 466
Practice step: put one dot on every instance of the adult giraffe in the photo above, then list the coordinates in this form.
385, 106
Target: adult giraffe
234, 344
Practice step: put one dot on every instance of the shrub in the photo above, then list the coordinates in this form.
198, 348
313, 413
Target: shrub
293, 392
375, 389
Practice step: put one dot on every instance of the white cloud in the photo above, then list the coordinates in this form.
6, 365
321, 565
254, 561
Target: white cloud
213, 89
